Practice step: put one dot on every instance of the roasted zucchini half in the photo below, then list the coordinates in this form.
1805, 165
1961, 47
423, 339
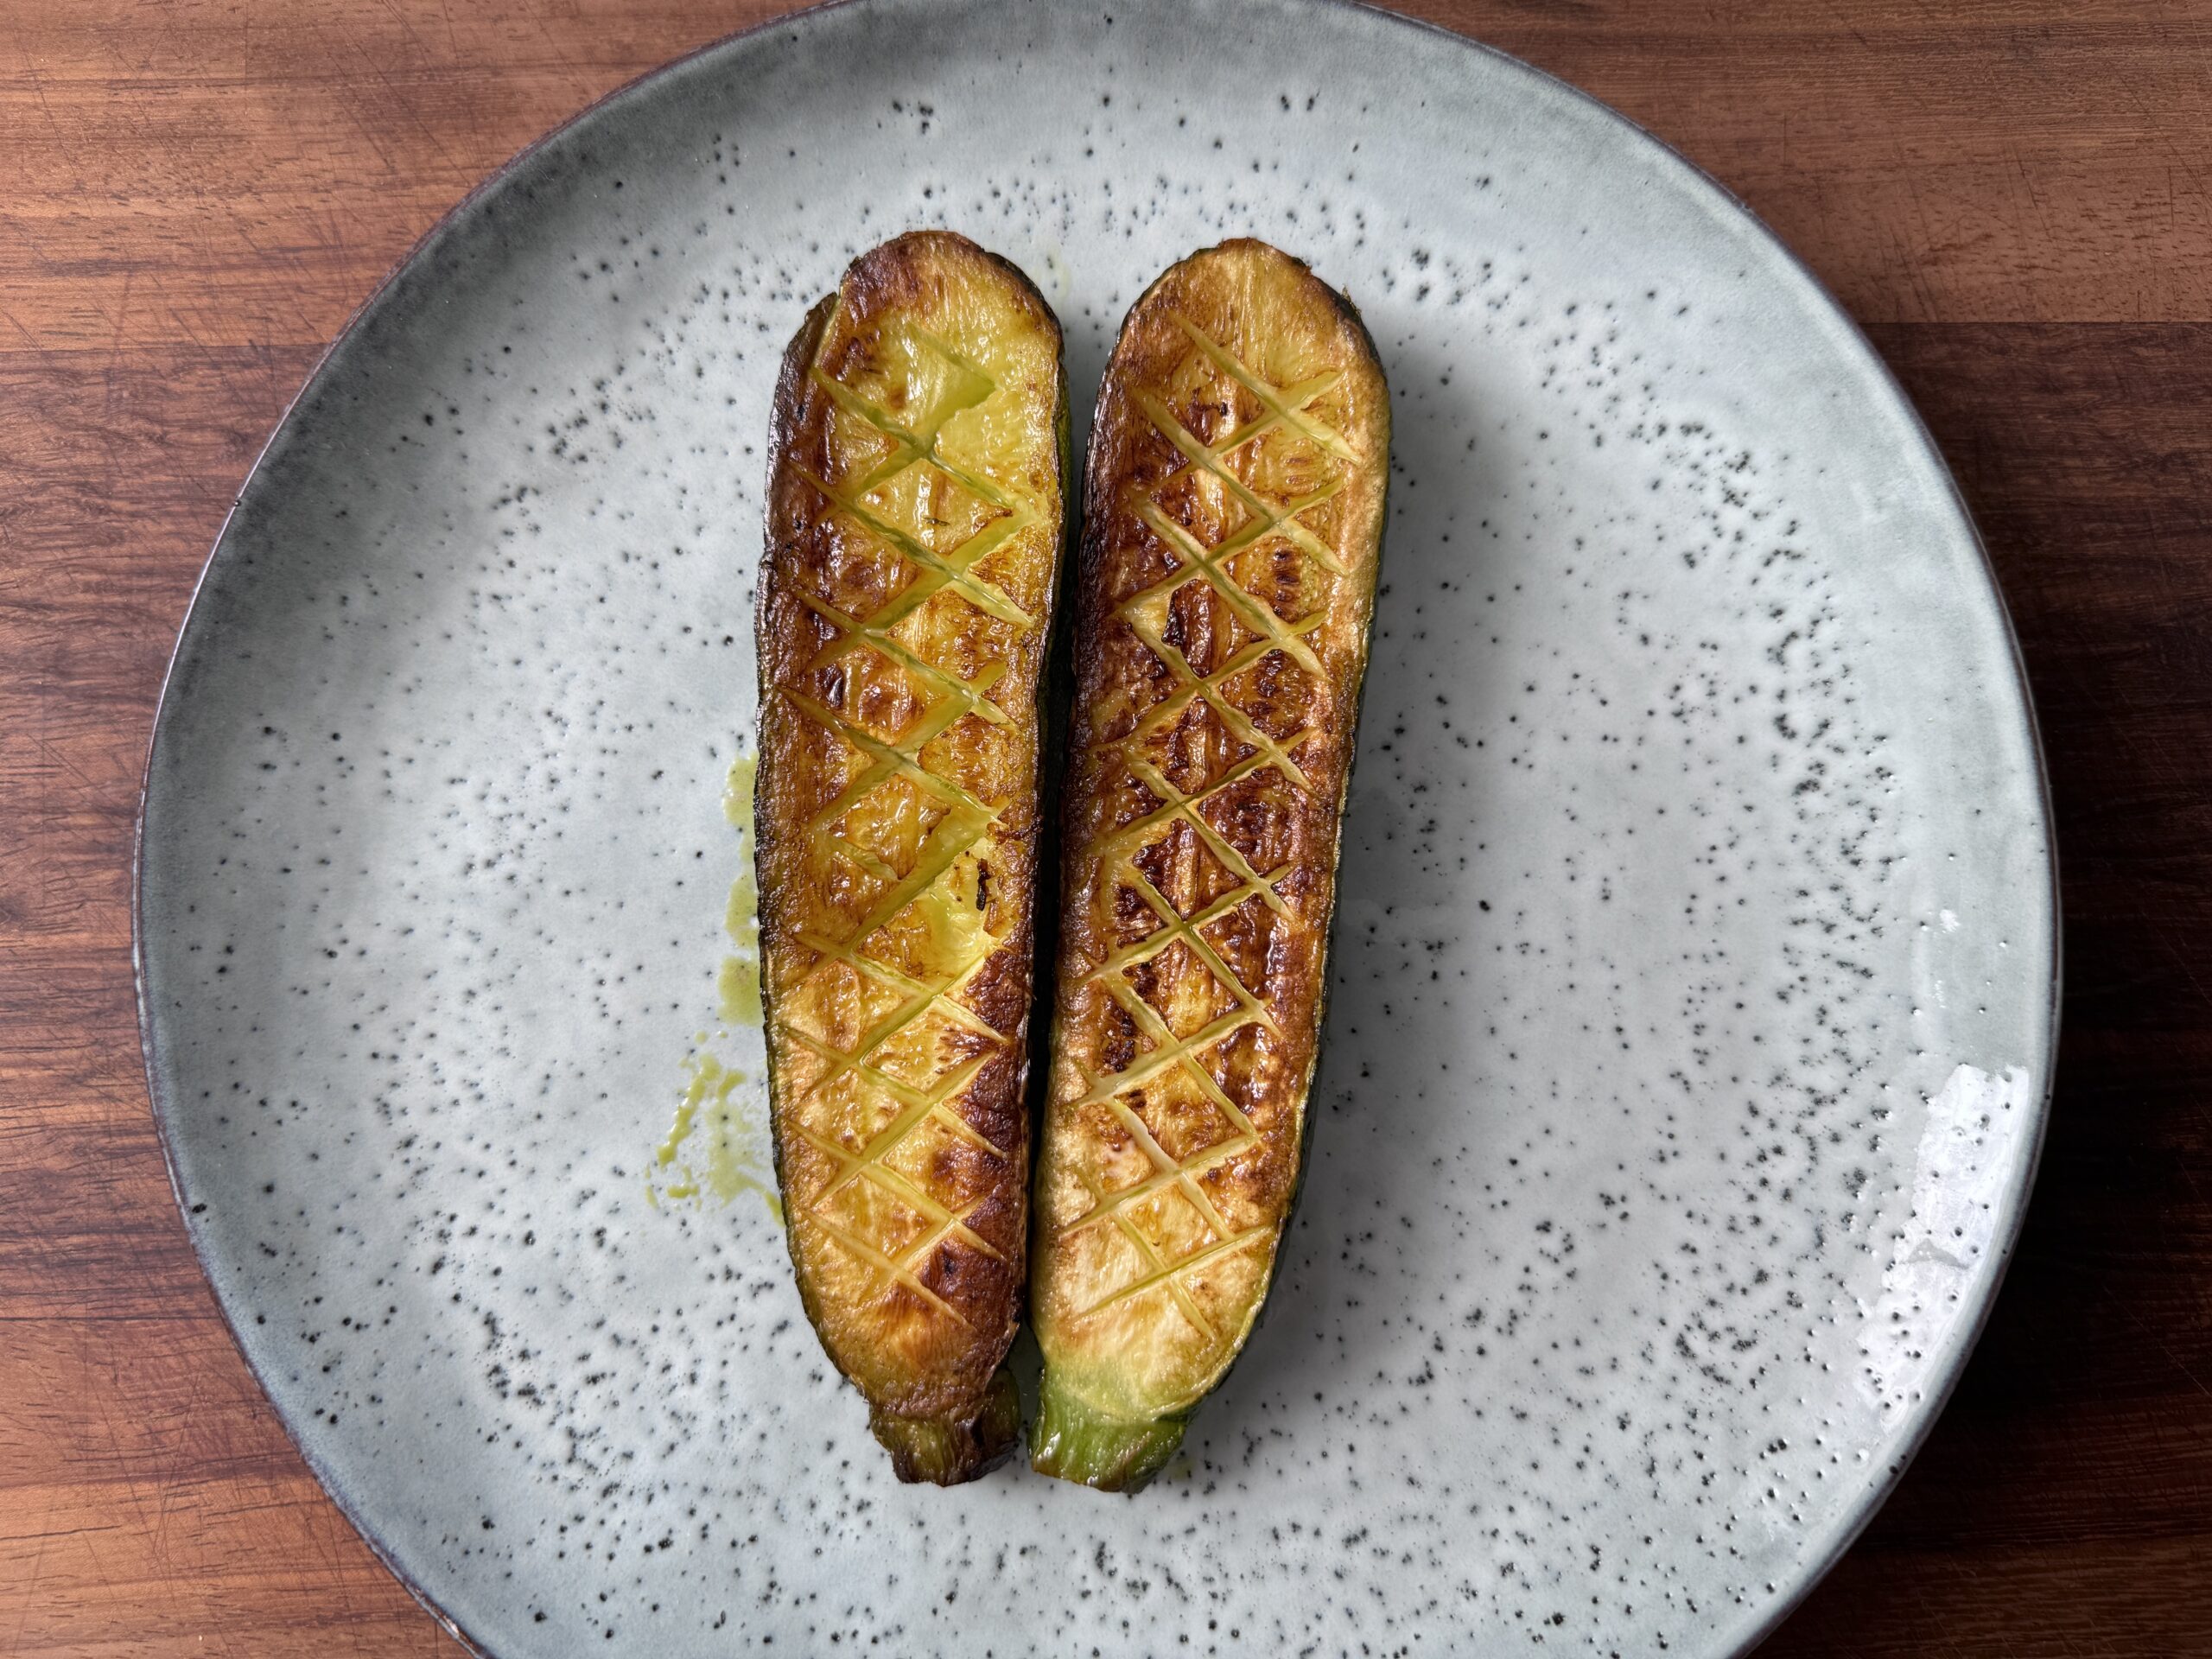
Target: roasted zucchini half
917, 470
1233, 520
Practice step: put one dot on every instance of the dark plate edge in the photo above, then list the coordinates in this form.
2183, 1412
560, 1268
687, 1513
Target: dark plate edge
1933, 1400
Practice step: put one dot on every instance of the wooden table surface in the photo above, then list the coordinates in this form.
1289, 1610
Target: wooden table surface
2015, 200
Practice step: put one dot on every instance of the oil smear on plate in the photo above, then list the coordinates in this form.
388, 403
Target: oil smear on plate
716, 1148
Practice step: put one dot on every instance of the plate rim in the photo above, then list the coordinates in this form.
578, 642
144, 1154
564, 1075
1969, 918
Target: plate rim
2020, 1184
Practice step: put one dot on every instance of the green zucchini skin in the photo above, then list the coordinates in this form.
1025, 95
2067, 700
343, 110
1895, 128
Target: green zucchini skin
915, 538
1235, 494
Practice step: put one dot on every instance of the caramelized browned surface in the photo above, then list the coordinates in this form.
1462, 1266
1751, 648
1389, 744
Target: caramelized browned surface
914, 529
1234, 511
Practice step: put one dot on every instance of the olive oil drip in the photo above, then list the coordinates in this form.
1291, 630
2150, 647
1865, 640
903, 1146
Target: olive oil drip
1287, 408
716, 1147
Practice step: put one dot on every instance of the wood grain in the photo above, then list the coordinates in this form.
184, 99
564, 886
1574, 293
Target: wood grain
2016, 198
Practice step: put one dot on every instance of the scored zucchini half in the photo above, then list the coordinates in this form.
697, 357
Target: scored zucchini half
915, 528
1233, 520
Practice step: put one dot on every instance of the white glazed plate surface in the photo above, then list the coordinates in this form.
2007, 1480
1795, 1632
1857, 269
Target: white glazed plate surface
1692, 1012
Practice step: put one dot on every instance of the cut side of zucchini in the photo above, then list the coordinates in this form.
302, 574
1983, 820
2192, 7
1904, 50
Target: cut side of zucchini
1233, 506
917, 469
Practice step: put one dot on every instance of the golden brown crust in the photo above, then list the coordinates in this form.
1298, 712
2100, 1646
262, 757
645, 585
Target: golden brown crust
914, 524
1233, 516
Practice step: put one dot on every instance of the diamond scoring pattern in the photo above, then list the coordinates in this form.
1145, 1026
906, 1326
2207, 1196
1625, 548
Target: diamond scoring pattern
963, 821
1173, 1061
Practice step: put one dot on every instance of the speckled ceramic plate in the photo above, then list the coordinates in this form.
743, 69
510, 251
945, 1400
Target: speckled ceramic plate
1695, 965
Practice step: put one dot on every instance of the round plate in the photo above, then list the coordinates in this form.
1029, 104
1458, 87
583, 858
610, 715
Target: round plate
1694, 986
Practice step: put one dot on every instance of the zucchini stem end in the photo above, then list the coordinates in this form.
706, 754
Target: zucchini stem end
946, 1451
1073, 1441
